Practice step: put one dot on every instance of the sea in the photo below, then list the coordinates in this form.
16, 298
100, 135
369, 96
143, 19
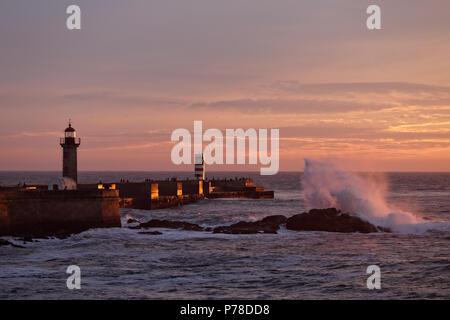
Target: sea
121, 263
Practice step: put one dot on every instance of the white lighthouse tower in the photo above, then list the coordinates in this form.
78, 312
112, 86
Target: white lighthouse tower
70, 144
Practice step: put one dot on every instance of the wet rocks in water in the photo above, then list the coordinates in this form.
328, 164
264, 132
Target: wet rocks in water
244, 227
27, 239
267, 225
274, 220
154, 233
331, 220
135, 227
156, 223
4, 242
130, 221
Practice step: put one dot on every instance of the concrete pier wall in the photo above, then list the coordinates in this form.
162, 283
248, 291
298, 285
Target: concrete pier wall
149, 194
238, 188
242, 194
223, 185
23, 187
170, 188
193, 187
152, 194
43, 213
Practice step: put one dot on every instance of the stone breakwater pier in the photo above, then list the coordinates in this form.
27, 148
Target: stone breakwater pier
39, 211
36, 211
158, 194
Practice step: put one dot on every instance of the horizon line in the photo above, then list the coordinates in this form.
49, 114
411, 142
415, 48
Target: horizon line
223, 171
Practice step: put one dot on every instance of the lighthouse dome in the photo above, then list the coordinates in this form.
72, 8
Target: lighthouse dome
69, 128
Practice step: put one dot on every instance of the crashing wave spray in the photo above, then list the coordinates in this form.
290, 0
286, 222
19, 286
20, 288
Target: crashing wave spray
325, 186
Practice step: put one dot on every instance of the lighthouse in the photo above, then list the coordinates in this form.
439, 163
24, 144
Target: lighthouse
70, 143
199, 167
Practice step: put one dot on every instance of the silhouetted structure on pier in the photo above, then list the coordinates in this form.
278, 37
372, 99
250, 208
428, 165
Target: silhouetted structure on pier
70, 144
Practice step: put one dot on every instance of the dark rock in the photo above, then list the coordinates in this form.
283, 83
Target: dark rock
330, 220
156, 223
135, 227
129, 221
275, 220
267, 225
48, 232
155, 233
64, 234
4, 242
243, 227
27, 239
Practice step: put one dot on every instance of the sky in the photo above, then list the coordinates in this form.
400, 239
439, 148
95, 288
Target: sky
137, 70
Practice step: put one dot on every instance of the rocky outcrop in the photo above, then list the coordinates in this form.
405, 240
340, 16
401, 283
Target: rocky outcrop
4, 242
275, 220
267, 225
331, 220
154, 233
156, 223
129, 221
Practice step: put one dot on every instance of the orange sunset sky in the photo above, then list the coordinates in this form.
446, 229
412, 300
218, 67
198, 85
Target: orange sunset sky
137, 70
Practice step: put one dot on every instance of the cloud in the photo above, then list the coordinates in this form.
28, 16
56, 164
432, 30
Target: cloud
293, 86
291, 97
308, 106
358, 131
131, 147
36, 134
130, 99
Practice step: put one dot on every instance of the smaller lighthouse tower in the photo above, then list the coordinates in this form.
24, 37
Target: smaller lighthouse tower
70, 143
199, 167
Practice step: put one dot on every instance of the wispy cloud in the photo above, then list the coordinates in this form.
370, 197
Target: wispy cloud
36, 134
131, 147
299, 106
293, 86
